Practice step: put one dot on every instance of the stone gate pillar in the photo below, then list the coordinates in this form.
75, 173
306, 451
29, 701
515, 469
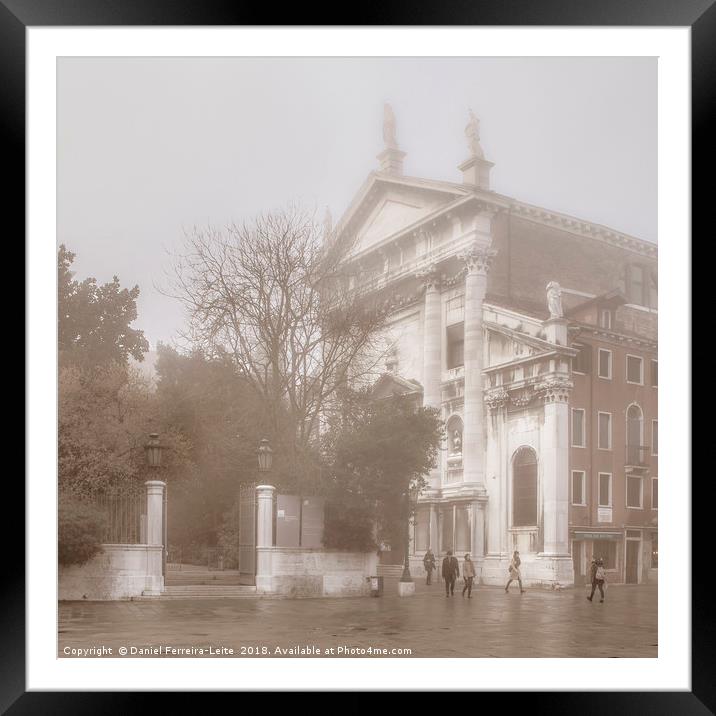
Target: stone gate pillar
264, 515
264, 538
155, 537
155, 503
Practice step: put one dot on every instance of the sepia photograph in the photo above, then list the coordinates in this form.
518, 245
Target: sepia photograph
357, 357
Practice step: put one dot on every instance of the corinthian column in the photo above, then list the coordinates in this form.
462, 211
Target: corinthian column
478, 259
432, 349
555, 466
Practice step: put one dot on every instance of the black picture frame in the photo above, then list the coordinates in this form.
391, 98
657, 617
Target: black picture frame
699, 15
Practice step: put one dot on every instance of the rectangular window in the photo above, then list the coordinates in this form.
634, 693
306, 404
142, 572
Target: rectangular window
578, 491
578, 433
446, 515
654, 493
635, 370
455, 310
635, 487
462, 528
605, 363
654, 550
605, 489
636, 285
654, 437
655, 373
455, 346
582, 362
422, 529
605, 318
606, 550
605, 431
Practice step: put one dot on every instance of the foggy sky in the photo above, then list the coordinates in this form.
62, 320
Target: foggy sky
147, 146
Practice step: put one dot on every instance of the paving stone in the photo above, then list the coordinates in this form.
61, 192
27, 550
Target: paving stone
491, 624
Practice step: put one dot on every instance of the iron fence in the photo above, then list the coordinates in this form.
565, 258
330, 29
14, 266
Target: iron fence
125, 511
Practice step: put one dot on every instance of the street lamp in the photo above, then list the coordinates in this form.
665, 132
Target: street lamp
265, 454
153, 449
405, 577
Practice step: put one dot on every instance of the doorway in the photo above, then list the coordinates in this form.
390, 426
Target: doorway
632, 561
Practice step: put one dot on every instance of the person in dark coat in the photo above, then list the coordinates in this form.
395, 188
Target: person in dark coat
598, 578
429, 564
450, 572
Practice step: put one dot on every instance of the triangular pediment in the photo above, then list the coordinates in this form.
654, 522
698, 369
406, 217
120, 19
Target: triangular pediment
386, 205
389, 385
390, 216
507, 345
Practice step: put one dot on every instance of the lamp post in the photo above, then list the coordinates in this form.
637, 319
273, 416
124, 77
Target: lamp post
153, 450
406, 562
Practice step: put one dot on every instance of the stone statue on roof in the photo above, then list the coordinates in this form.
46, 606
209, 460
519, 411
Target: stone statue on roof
472, 133
554, 300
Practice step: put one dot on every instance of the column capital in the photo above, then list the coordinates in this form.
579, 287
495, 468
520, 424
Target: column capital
430, 277
554, 390
496, 398
478, 259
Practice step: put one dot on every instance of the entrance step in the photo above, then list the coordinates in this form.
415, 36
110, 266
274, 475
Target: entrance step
199, 591
190, 574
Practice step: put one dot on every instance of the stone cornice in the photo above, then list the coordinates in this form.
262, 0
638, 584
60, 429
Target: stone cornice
583, 228
430, 277
618, 338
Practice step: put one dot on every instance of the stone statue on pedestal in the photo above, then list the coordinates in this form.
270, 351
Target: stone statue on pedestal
456, 442
472, 133
554, 300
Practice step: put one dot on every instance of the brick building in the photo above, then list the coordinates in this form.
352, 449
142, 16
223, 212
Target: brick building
534, 333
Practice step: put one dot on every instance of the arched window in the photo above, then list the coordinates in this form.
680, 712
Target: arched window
635, 434
524, 488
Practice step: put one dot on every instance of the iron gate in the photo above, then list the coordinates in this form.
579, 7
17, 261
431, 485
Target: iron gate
247, 534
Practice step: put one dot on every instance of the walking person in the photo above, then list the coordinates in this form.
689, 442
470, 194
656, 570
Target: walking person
599, 577
468, 574
514, 571
451, 571
429, 564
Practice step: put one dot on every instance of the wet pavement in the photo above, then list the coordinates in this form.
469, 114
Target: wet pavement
491, 624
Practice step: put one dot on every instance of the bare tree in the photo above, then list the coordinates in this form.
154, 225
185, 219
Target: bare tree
275, 296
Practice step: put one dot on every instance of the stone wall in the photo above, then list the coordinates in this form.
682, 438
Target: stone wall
120, 571
297, 572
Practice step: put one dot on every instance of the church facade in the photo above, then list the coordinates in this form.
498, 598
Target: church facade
504, 317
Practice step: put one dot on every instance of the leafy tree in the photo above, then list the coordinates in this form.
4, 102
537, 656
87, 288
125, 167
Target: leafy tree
80, 532
379, 453
94, 321
105, 416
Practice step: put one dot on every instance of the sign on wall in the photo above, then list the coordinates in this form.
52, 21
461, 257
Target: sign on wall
312, 522
299, 521
288, 521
